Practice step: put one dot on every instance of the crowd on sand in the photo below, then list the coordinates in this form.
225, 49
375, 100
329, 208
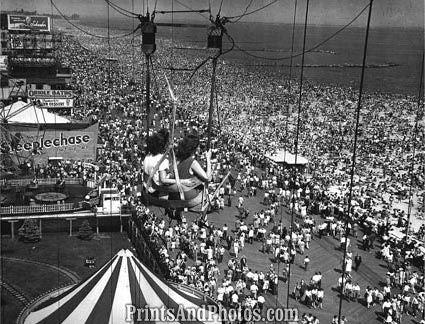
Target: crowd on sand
257, 118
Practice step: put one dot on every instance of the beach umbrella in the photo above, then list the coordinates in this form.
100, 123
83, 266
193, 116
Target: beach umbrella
120, 287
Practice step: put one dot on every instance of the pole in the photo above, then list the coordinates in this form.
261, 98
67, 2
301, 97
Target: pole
353, 162
218, 112
288, 288
409, 207
211, 110
293, 196
12, 228
133, 47
70, 225
148, 99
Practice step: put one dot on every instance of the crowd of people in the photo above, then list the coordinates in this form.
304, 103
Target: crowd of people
251, 124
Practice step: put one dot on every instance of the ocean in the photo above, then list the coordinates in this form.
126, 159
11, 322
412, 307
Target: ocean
394, 54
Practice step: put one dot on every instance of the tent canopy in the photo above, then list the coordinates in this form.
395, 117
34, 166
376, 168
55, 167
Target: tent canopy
21, 112
107, 297
283, 156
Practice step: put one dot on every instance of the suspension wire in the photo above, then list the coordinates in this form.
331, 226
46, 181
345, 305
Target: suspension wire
57, 219
189, 8
120, 10
415, 133
172, 60
180, 11
211, 111
109, 55
132, 43
143, 82
292, 54
218, 108
157, 89
310, 49
281, 199
172, 37
147, 96
85, 31
110, 104
293, 193
286, 131
153, 74
353, 162
213, 57
244, 13
219, 10
254, 11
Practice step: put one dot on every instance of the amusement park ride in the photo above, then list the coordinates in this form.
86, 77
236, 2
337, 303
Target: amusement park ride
109, 199
215, 41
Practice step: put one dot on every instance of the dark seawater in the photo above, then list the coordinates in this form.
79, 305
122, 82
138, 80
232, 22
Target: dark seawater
399, 51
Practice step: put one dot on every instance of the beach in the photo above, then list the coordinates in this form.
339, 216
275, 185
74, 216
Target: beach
316, 214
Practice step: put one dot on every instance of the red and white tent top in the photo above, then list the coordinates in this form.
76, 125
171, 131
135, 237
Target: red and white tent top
106, 295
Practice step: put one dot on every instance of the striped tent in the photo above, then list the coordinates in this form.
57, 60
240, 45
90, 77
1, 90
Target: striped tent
117, 290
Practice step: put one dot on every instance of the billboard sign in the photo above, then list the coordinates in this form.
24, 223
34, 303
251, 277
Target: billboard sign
28, 23
3, 63
67, 141
51, 94
31, 41
56, 103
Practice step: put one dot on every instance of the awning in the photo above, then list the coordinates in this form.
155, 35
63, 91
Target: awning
283, 156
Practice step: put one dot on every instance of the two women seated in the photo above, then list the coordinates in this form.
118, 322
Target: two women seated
159, 178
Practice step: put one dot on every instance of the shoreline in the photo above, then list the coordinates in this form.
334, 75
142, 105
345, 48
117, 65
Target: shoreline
256, 67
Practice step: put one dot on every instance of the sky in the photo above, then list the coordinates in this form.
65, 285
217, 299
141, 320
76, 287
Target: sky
385, 13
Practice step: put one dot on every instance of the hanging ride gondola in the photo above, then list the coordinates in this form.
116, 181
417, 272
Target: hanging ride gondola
188, 186
171, 192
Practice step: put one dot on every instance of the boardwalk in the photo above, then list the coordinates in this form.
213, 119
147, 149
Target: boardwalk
325, 256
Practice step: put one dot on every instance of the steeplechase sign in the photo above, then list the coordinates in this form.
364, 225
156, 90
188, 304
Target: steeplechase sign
69, 141
61, 140
28, 23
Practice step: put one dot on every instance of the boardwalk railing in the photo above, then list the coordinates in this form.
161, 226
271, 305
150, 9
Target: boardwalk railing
38, 209
41, 208
140, 239
46, 181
